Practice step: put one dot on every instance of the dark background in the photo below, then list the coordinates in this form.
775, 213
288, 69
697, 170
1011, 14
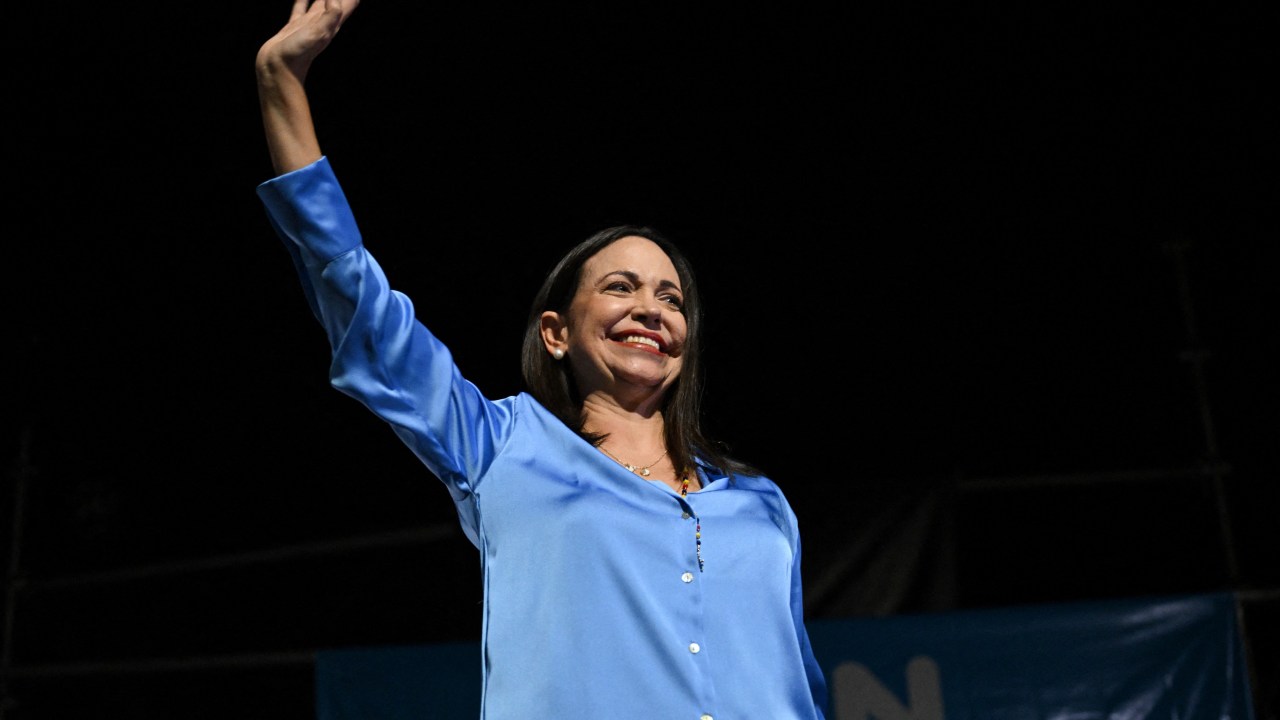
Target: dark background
1019, 258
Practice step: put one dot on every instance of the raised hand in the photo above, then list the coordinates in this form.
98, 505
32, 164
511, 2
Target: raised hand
312, 26
282, 65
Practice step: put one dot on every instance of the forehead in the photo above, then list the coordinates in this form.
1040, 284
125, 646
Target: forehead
633, 254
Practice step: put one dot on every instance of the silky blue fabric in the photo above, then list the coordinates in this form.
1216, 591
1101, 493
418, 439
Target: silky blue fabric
595, 605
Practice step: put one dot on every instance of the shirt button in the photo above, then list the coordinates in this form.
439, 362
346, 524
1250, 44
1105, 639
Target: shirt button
687, 577
684, 516
706, 717
695, 648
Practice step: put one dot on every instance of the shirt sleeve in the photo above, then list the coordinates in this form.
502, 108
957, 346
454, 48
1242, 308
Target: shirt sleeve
381, 354
813, 671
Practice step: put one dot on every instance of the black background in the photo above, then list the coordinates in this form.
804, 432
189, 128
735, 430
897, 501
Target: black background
937, 246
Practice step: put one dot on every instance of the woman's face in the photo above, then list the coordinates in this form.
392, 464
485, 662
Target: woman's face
625, 331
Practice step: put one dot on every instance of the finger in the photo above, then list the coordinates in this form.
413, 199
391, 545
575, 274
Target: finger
334, 12
344, 8
349, 7
299, 9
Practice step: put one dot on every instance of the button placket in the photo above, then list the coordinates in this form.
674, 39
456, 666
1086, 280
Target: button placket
691, 606
689, 514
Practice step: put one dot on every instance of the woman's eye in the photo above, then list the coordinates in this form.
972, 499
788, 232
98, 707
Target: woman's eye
618, 286
673, 301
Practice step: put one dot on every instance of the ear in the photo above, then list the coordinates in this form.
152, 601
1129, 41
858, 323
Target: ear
555, 332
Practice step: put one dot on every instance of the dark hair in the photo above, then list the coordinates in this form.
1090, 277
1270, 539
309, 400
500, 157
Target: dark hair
551, 383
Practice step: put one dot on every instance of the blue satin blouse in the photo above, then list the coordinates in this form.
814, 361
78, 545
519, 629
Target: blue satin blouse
594, 602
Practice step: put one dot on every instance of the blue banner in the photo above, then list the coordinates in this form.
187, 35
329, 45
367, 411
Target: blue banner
1176, 658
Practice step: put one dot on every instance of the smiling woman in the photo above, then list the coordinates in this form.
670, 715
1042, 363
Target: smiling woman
615, 308
612, 589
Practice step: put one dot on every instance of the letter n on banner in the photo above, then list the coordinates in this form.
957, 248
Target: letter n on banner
858, 695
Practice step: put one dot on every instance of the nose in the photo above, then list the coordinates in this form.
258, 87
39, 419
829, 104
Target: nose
648, 309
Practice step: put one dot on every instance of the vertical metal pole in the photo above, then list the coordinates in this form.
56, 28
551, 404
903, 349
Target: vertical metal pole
1195, 356
13, 577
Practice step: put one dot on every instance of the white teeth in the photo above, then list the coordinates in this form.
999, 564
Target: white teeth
642, 340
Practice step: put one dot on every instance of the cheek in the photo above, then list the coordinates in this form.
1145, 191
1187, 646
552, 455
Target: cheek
597, 315
679, 332
580, 321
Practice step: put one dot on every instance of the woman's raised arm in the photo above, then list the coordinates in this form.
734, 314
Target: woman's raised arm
282, 64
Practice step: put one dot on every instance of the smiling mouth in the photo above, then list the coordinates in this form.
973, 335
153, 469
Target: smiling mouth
640, 340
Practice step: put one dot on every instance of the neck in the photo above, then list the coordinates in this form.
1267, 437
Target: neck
632, 439
625, 429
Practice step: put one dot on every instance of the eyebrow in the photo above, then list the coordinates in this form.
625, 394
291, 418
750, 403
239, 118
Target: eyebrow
634, 278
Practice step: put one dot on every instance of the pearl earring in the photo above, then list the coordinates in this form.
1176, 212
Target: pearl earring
557, 353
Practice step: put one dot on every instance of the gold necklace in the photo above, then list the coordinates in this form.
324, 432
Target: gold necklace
643, 471
684, 493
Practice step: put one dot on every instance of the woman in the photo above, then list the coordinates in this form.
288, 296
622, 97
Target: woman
630, 569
